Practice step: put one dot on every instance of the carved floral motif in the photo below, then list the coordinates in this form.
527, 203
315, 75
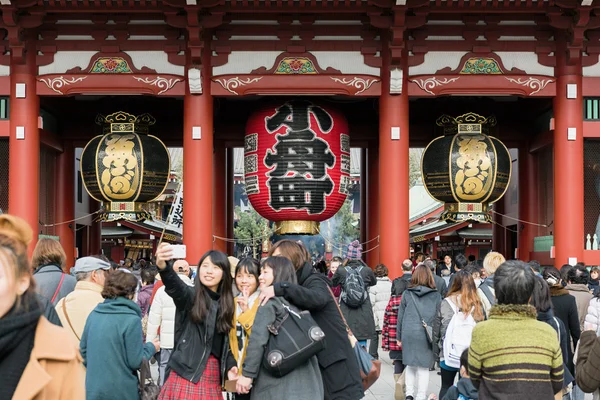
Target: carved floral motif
233, 83
430, 83
356, 82
56, 84
162, 83
111, 65
295, 66
481, 66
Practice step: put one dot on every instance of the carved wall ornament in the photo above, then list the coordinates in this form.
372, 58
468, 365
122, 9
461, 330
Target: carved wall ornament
356, 82
233, 83
531, 83
481, 66
111, 65
295, 66
195, 80
433, 82
56, 84
396, 81
162, 83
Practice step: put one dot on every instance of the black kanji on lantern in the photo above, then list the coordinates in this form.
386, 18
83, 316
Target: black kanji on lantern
299, 179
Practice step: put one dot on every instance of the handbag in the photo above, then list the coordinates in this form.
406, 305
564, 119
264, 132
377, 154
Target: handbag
369, 368
428, 329
148, 389
295, 338
400, 387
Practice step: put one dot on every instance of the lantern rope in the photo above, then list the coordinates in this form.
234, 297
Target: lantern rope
520, 220
71, 220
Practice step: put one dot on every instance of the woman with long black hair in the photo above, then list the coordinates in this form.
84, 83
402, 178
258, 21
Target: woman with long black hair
204, 316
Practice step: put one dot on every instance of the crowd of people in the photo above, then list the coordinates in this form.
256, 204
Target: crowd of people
496, 329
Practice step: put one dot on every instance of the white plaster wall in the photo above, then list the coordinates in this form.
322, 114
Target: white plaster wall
157, 60
349, 62
592, 70
528, 62
244, 62
65, 60
4, 70
436, 60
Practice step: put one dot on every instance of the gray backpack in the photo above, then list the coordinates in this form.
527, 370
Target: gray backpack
354, 293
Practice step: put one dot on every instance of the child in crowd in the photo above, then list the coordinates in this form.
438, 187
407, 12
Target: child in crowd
464, 389
594, 283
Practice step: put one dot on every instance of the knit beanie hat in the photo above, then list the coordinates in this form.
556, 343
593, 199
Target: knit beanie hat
354, 250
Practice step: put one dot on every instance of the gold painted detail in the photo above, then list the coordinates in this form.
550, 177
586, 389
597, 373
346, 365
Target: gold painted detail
463, 212
56, 84
481, 66
431, 83
120, 122
466, 123
356, 82
296, 66
111, 65
475, 175
121, 176
297, 227
128, 211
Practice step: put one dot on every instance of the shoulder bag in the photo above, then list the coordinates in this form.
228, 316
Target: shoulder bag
62, 278
295, 338
428, 329
368, 366
64, 307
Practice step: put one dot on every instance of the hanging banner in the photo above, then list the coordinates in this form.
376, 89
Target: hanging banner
176, 214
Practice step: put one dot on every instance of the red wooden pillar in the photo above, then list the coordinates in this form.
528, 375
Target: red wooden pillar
24, 141
65, 200
528, 202
230, 200
393, 168
198, 165
372, 205
363, 199
568, 159
220, 197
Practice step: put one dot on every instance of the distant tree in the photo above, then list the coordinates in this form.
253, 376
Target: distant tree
414, 167
251, 228
343, 228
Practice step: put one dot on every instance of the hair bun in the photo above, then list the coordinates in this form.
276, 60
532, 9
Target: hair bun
16, 228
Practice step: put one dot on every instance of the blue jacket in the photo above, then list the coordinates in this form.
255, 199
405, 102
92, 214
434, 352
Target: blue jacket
112, 349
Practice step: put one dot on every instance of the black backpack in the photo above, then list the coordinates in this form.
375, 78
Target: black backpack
295, 338
354, 292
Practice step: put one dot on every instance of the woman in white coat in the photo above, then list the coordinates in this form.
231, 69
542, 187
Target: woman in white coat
380, 296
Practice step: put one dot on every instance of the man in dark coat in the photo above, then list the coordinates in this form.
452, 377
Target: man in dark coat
339, 368
406, 276
440, 283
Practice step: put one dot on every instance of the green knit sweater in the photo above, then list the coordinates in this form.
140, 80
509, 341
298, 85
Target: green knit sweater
514, 356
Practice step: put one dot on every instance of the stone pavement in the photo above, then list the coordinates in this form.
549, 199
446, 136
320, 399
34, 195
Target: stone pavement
383, 389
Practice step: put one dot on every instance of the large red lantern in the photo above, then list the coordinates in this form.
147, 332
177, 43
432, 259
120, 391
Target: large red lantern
297, 164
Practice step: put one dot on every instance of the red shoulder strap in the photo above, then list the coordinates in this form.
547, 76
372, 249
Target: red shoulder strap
62, 278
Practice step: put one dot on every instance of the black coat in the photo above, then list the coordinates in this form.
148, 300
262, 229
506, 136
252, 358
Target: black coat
360, 320
549, 318
193, 342
339, 368
565, 309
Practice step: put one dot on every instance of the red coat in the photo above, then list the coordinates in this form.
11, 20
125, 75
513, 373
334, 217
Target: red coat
337, 290
390, 320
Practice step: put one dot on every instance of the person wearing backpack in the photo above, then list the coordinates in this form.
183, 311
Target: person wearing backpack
355, 278
457, 315
464, 389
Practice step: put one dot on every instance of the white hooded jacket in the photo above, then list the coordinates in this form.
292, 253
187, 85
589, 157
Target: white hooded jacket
162, 314
380, 296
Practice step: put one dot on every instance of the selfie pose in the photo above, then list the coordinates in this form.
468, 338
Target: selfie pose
201, 357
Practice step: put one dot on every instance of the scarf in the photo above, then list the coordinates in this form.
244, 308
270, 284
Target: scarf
17, 335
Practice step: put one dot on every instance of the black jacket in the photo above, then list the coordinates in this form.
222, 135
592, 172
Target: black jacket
193, 342
565, 309
339, 368
549, 318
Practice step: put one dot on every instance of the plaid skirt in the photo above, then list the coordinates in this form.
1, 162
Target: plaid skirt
207, 388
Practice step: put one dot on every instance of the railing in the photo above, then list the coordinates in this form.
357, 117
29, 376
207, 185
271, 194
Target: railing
591, 242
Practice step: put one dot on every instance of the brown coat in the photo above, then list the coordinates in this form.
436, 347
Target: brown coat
55, 370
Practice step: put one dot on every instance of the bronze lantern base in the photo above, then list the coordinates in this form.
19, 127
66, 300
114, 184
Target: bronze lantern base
128, 211
297, 228
463, 212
